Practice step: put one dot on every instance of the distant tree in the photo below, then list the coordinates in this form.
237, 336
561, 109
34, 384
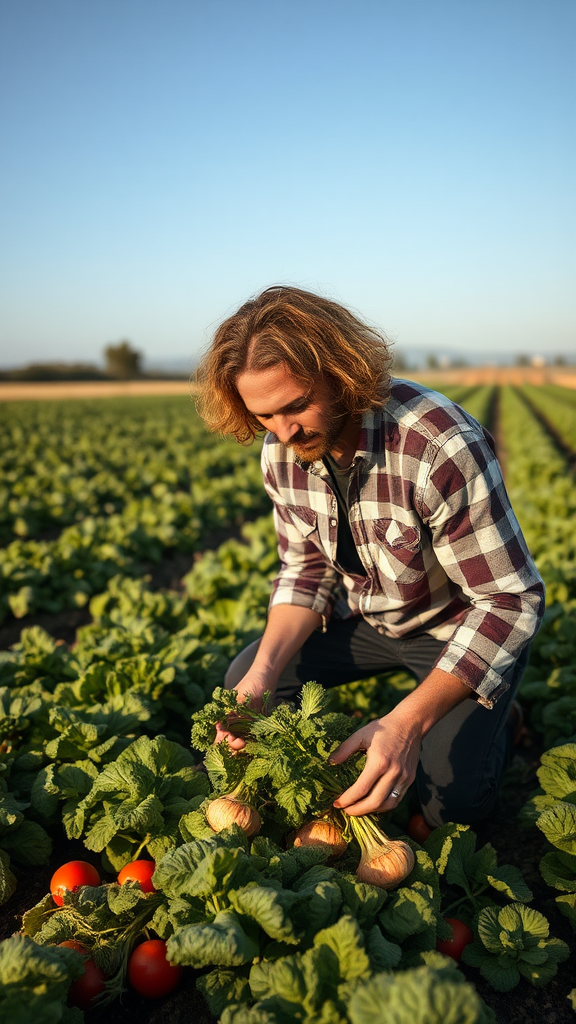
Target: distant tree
122, 360
432, 362
522, 360
559, 360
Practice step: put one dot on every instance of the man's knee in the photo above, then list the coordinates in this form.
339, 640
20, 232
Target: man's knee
238, 668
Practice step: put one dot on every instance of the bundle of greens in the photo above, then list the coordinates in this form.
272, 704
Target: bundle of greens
107, 920
285, 769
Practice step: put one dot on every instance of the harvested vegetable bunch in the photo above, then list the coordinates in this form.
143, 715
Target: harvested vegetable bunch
286, 759
107, 920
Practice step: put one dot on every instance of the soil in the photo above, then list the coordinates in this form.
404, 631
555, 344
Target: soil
40, 391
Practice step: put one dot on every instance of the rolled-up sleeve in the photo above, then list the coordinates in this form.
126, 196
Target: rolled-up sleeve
305, 577
479, 543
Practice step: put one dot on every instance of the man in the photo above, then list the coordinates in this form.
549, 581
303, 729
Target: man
392, 494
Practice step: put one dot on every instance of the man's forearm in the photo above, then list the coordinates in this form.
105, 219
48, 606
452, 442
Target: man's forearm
288, 628
438, 694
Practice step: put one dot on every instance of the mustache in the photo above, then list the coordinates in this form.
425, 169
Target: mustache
302, 436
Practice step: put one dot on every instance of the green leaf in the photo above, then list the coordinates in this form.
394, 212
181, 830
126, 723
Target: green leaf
383, 955
558, 824
283, 978
559, 870
418, 996
194, 826
270, 908
34, 980
361, 900
7, 879
34, 918
540, 974
567, 906
517, 919
222, 943
346, 940
223, 987
409, 912
557, 774
28, 844
507, 879
501, 972
102, 832
313, 699
440, 843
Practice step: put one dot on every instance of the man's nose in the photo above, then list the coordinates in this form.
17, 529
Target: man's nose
285, 428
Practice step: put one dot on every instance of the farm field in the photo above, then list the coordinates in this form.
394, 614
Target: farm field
136, 556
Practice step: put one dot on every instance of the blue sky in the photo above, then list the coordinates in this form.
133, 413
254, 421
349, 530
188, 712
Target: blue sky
165, 159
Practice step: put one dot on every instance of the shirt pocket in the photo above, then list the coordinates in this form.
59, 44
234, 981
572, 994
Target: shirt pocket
304, 519
400, 544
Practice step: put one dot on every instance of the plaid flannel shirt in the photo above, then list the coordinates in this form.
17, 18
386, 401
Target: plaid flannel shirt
434, 529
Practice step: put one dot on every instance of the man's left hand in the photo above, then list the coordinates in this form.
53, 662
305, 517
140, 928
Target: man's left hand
392, 754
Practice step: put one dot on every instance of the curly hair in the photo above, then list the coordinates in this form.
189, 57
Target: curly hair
314, 337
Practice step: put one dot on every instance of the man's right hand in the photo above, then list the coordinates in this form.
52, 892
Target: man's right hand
250, 688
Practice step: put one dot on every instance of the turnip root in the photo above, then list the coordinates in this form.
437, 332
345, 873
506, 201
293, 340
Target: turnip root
323, 835
386, 866
227, 811
384, 862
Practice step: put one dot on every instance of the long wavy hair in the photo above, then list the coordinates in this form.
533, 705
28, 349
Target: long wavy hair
314, 337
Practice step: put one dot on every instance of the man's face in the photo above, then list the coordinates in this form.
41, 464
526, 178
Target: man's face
305, 419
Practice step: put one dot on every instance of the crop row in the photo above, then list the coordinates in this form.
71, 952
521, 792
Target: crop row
559, 411
80, 750
177, 487
63, 461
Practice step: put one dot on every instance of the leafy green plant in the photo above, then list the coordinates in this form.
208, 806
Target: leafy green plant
512, 943
330, 983
34, 982
476, 873
553, 810
136, 802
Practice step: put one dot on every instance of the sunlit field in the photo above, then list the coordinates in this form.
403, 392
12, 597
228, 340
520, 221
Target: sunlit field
137, 554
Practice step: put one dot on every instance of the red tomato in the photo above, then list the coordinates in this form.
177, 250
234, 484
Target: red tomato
70, 877
84, 990
461, 936
418, 830
139, 871
149, 971
72, 944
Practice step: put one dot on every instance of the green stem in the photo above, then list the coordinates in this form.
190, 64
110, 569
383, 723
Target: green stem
456, 903
146, 839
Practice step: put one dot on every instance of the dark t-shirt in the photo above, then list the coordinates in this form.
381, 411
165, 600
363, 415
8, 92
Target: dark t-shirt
346, 553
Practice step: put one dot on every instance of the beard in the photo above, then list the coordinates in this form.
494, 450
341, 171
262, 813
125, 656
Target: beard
309, 446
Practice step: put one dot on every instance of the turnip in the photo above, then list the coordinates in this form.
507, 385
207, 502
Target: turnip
384, 862
227, 810
322, 834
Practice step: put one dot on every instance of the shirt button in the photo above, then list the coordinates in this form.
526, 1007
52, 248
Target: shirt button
333, 522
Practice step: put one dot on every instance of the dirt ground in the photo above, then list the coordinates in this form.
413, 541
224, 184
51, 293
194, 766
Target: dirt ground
467, 377
20, 391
